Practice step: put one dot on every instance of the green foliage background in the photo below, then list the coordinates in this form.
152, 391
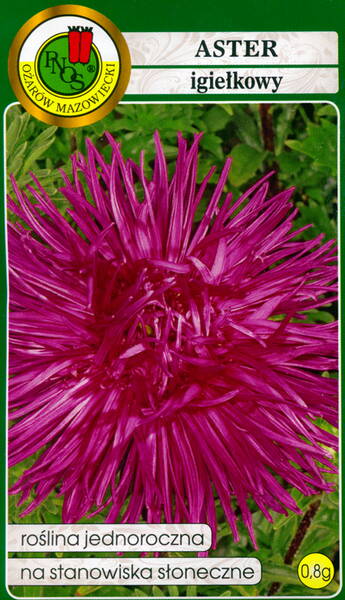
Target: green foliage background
297, 141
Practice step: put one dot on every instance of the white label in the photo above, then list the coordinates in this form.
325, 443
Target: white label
292, 62
109, 538
134, 571
234, 81
233, 48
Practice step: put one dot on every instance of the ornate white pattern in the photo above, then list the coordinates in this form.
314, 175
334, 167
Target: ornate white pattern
178, 81
180, 48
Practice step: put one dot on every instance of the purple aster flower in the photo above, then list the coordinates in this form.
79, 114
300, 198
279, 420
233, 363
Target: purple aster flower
158, 364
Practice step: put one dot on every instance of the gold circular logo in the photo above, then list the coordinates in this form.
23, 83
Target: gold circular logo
69, 65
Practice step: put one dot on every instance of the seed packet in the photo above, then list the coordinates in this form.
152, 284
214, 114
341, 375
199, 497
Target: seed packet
169, 266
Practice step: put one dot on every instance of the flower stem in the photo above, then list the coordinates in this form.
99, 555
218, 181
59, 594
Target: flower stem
267, 131
297, 541
267, 126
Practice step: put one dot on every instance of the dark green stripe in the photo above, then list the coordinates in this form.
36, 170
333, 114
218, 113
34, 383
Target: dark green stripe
233, 66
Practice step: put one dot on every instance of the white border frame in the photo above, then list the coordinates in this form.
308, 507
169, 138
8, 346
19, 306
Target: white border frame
256, 101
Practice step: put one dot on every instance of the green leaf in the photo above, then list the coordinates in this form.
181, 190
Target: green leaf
246, 162
17, 130
86, 590
320, 144
191, 590
302, 502
318, 539
290, 162
15, 162
39, 146
228, 108
245, 590
216, 118
318, 316
284, 125
316, 215
327, 110
283, 536
173, 590
247, 128
140, 592
212, 143
32, 591
281, 573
